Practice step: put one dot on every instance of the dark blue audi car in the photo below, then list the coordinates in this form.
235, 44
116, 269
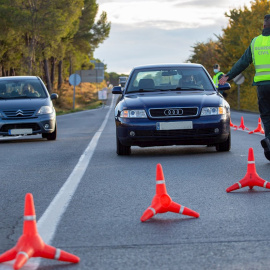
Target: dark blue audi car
171, 104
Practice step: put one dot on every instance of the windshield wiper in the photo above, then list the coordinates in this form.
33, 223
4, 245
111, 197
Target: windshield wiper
187, 88
153, 90
22, 97
144, 90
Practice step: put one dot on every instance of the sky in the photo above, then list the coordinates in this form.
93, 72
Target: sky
159, 31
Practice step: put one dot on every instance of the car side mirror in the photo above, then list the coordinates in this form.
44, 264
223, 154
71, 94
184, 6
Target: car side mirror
225, 86
117, 90
54, 96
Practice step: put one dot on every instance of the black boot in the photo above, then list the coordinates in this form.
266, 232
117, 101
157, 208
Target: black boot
266, 146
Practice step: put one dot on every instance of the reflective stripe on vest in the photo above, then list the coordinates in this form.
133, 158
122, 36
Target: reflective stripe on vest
260, 49
215, 78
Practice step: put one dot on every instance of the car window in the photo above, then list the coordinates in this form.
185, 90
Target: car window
168, 79
21, 88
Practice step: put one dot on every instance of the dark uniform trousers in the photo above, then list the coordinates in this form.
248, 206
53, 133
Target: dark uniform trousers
263, 92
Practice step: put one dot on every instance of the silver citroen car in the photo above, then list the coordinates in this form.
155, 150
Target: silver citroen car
26, 107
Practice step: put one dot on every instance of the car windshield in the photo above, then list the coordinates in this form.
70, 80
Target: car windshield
21, 89
169, 79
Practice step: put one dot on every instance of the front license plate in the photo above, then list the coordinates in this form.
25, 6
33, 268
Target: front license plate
174, 125
21, 131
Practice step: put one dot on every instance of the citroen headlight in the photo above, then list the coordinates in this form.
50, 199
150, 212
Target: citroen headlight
213, 111
133, 114
45, 110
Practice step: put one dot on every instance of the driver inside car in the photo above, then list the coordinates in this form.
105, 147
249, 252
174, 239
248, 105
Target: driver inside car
29, 91
188, 81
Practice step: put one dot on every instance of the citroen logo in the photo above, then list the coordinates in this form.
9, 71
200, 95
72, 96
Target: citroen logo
19, 113
173, 112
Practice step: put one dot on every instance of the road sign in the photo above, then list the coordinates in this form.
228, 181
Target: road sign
91, 75
239, 79
74, 79
102, 94
95, 75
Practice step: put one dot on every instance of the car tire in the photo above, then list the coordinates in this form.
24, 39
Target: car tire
225, 146
51, 136
122, 150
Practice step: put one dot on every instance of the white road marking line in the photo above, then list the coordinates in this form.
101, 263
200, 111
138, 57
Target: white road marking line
48, 222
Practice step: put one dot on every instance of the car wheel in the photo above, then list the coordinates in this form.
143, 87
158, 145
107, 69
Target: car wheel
122, 150
225, 146
51, 136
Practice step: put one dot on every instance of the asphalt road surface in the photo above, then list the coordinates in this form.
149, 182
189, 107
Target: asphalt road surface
89, 201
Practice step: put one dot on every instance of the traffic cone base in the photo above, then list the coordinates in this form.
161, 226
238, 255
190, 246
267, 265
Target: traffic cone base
251, 178
232, 125
30, 243
242, 124
162, 202
259, 128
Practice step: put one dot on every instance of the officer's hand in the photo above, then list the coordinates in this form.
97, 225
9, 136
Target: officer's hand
223, 79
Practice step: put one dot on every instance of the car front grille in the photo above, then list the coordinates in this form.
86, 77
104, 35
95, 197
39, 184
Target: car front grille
173, 112
19, 113
7, 127
175, 133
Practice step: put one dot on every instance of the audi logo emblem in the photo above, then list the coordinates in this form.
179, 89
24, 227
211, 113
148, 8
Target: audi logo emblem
173, 112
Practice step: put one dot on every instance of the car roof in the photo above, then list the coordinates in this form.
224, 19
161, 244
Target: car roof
18, 77
173, 65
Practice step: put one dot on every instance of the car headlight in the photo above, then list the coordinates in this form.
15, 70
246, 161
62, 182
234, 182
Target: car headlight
45, 110
213, 111
133, 114
1, 115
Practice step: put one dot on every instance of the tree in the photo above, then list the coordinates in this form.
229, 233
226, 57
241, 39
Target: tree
244, 25
206, 54
90, 33
38, 35
79, 47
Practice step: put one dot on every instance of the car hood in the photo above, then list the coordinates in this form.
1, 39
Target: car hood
23, 104
172, 99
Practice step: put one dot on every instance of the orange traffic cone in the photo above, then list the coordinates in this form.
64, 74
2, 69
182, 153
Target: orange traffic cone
162, 202
232, 125
242, 124
259, 128
30, 243
251, 178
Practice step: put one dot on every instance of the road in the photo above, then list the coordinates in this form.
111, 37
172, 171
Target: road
89, 201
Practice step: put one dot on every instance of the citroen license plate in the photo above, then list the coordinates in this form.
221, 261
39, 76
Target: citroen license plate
174, 125
20, 131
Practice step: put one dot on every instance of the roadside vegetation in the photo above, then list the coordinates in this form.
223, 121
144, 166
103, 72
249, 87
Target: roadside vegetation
86, 97
50, 39
244, 25
86, 94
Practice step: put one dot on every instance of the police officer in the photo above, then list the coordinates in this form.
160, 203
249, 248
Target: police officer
217, 76
259, 53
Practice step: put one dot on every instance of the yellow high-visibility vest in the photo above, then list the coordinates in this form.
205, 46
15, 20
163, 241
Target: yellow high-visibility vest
215, 78
260, 49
